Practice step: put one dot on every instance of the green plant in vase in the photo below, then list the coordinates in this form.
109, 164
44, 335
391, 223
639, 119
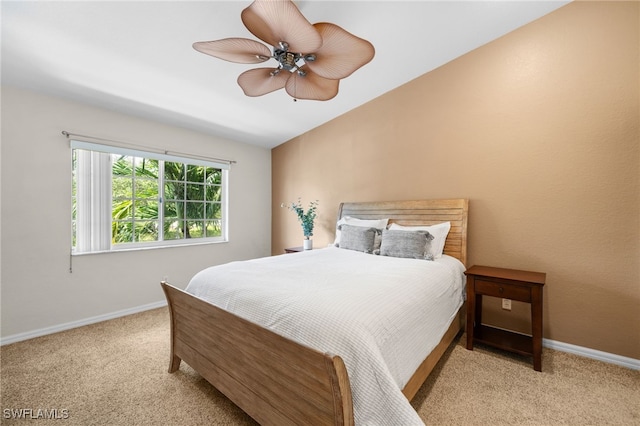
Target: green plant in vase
306, 218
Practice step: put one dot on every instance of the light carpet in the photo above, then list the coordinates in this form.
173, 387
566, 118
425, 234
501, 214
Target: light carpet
115, 373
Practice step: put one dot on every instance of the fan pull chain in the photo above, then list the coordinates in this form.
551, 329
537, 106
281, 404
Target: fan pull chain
295, 89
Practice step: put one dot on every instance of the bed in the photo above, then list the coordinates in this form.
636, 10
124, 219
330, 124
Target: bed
280, 374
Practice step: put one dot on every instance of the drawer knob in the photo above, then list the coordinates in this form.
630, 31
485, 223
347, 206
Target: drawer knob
501, 289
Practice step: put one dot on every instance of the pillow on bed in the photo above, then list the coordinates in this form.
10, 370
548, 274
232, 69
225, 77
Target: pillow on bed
409, 244
367, 223
358, 238
439, 232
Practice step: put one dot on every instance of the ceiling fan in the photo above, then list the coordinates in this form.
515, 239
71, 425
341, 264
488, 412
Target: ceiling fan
311, 58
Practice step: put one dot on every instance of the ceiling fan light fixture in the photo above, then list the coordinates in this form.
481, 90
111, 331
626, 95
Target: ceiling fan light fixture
329, 52
288, 60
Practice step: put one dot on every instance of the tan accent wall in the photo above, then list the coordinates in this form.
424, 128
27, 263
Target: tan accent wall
540, 130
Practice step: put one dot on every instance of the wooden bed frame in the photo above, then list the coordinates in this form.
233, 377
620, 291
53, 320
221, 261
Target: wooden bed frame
276, 380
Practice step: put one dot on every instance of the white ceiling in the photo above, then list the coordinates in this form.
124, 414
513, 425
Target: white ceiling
136, 57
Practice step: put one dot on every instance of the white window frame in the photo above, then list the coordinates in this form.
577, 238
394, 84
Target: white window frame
93, 197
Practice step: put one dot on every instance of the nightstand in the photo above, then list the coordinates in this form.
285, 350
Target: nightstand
294, 249
523, 286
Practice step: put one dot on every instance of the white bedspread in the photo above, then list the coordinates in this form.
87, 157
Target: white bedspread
382, 315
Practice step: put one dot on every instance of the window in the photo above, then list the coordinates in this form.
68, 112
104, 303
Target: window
125, 199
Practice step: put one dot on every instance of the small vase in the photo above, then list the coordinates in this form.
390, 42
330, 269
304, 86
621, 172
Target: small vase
308, 244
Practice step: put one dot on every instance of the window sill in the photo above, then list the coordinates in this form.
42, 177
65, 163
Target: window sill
151, 247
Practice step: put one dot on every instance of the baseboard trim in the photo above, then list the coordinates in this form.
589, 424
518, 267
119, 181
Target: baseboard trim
610, 358
75, 324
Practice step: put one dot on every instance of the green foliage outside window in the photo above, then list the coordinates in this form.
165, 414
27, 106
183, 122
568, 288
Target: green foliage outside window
191, 200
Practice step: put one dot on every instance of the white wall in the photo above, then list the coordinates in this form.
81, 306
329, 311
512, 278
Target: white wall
37, 289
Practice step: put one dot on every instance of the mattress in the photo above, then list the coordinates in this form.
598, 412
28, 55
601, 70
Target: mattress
382, 315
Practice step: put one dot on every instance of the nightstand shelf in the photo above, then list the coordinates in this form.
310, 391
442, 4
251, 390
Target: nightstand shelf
503, 339
523, 286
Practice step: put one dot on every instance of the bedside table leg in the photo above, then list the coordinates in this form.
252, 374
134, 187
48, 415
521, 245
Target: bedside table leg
469, 326
478, 309
536, 325
471, 308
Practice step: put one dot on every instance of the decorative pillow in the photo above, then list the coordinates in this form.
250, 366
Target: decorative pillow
358, 238
410, 244
439, 232
368, 223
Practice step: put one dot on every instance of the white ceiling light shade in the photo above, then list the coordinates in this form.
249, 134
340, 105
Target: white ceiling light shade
312, 59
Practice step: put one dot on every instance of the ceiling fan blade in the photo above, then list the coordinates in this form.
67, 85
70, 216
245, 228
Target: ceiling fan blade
240, 50
341, 53
260, 81
273, 21
311, 86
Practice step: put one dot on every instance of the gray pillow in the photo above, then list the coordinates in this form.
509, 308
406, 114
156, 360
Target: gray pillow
357, 238
408, 244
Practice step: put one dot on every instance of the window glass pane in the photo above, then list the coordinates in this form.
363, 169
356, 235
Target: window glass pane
146, 188
195, 191
195, 210
122, 209
146, 167
173, 210
174, 190
174, 171
195, 173
146, 178
122, 232
213, 176
122, 165
146, 210
195, 229
172, 229
122, 187
146, 231
213, 211
214, 193
214, 228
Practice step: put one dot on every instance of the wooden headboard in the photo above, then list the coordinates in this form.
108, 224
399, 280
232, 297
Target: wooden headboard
419, 212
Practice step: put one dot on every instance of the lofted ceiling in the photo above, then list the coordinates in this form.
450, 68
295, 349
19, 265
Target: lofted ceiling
136, 56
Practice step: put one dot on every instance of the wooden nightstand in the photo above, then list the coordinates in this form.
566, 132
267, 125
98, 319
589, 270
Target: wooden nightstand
294, 249
523, 286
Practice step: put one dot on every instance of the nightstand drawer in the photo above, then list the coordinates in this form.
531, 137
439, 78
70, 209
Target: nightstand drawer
507, 291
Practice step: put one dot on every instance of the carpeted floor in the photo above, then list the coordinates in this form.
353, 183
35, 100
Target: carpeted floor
115, 373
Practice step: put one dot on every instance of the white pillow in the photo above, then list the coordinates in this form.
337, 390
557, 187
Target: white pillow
439, 232
369, 223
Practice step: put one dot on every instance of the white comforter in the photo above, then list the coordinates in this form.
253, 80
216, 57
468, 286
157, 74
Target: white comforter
382, 315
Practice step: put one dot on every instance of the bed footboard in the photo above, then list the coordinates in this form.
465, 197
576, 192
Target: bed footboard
273, 379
